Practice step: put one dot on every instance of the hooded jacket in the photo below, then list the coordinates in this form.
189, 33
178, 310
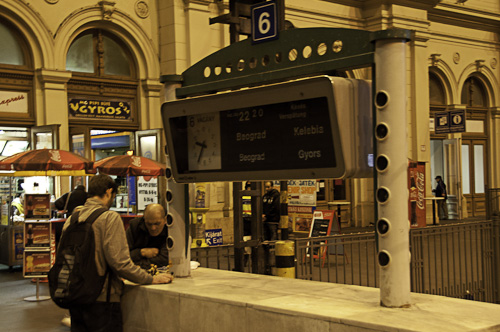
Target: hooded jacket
111, 249
271, 206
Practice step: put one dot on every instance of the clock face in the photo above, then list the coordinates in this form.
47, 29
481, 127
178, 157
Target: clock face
203, 133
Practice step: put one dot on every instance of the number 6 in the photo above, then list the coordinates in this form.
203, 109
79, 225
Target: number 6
264, 23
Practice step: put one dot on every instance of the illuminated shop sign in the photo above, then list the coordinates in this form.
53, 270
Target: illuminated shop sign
13, 102
99, 109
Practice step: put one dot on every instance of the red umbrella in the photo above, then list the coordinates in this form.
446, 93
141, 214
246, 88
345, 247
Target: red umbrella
48, 162
129, 165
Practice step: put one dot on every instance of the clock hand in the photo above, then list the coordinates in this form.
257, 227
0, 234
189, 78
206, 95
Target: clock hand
203, 146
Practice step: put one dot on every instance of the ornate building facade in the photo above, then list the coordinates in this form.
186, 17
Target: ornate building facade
62, 61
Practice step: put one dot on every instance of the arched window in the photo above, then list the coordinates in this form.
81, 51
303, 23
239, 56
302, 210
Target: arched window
474, 93
11, 52
436, 91
103, 75
99, 53
16, 77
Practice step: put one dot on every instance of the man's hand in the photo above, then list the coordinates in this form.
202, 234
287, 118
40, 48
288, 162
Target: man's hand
149, 252
163, 278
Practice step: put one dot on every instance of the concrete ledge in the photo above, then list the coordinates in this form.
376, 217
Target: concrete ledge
224, 301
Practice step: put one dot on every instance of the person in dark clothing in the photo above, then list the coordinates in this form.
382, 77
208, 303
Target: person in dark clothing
69, 201
147, 238
112, 257
271, 211
440, 191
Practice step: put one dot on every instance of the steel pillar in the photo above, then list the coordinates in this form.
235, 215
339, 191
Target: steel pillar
392, 164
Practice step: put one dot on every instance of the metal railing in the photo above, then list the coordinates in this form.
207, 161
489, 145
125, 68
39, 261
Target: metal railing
456, 260
344, 259
216, 257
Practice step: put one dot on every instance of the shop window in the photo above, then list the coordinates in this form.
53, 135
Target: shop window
473, 93
11, 52
13, 140
100, 53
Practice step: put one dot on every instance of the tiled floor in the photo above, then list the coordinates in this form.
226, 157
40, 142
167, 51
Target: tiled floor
18, 315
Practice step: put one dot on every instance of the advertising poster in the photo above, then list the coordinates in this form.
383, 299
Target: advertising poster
36, 263
302, 192
37, 206
4, 211
321, 226
53, 246
199, 198
132, 199
37, 234
18, 243
300, 217
416, 187
147, 192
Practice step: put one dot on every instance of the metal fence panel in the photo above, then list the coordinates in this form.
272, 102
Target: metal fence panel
456, 260
345, 259
453, 260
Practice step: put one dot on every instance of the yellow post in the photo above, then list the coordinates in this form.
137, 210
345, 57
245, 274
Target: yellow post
285, 259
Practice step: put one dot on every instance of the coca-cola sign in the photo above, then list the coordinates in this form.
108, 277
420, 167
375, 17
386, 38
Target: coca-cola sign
416, 187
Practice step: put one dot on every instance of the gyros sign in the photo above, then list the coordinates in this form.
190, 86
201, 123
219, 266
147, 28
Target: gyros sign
100, 109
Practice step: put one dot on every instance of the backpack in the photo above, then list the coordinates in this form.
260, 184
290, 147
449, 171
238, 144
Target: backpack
73, 279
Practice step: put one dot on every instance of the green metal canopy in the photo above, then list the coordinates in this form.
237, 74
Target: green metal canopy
297, 53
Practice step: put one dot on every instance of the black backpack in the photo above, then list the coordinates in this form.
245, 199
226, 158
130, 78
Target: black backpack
73, 279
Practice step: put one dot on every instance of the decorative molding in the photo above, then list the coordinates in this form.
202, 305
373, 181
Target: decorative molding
52, 2
151, 85
107, 7
494, 63
435, 58
456, 57
142, 9
495, 112
479, 65
53, 79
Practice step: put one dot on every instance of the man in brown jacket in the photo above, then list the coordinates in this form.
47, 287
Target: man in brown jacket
111, 251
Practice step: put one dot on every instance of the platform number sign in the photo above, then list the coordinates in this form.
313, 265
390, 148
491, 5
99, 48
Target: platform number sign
264, 22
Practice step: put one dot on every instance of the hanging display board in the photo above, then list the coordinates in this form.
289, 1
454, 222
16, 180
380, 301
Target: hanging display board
282, 131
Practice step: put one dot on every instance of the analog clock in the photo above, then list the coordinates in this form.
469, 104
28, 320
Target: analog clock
203, 132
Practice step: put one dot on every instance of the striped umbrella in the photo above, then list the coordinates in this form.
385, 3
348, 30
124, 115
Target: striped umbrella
50, 162
129, 165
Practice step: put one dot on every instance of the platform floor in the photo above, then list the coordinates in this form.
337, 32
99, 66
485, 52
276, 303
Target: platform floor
225, 301
18, 315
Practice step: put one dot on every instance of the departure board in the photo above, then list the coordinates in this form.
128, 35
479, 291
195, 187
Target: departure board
279, 132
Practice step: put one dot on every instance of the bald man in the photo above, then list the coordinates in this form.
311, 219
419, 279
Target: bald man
147, 238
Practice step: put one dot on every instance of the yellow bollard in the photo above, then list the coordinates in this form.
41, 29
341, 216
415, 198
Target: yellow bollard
285, 259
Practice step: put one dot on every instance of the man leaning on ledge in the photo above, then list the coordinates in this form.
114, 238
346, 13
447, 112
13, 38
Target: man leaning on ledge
147, 238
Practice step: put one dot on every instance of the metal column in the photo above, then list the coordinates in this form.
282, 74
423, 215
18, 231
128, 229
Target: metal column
391, 164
